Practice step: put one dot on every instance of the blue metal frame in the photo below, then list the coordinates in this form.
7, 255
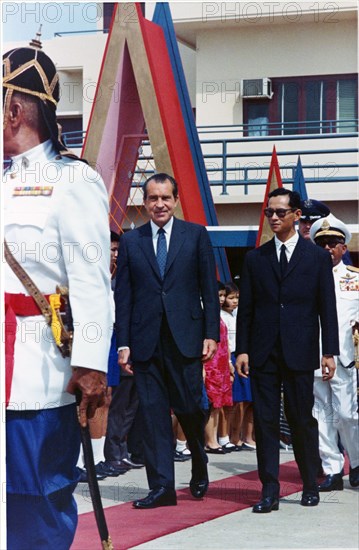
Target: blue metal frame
298, 127
75, 139
233, 238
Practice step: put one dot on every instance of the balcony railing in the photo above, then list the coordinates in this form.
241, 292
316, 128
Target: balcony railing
285, 128
234, 159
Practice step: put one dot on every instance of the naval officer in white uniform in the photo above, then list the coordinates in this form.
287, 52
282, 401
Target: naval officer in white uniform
336, 404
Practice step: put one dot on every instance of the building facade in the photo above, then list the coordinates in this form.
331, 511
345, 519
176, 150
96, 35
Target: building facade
259, 74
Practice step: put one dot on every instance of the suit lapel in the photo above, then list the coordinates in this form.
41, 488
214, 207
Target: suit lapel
296, 256
273, 259
146, 244
178, 236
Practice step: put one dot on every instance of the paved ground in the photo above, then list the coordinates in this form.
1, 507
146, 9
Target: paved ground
333, 524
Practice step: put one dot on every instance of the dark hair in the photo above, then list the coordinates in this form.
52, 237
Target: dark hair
161, 178
220, 286
230, 287
294, 197
115, 237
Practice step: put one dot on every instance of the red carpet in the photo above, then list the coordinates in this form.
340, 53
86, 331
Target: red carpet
129, 527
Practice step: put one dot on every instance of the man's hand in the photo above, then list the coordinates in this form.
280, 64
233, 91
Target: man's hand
91, 384
328, 367
209, 349
242, 365
124, 360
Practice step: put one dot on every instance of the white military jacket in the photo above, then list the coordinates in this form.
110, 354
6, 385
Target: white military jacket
346, 280
56, 225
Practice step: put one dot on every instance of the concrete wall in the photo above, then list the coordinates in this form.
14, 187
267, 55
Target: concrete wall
224, 58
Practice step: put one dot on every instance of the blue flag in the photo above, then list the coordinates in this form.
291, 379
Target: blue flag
299, 182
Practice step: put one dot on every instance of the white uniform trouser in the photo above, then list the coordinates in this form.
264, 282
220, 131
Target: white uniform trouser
335, 408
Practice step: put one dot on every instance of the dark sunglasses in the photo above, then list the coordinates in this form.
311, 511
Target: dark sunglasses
332, 243
280, 212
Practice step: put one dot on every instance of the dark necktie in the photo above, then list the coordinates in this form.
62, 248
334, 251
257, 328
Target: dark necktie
161, 251
283, 260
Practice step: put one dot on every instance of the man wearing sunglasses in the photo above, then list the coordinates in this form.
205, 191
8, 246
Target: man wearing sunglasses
287, 287
336, 405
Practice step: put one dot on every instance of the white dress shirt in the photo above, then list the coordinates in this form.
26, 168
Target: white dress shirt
167, 229
290, 245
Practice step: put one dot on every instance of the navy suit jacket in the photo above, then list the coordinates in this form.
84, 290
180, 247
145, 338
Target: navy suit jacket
290, 308
188, 294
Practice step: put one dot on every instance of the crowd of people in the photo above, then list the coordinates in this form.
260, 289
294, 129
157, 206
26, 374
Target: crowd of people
166, 363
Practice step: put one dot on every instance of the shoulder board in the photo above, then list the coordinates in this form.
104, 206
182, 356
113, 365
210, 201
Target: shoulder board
352, 268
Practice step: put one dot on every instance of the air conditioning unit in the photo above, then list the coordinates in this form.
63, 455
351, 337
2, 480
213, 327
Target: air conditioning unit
257, 88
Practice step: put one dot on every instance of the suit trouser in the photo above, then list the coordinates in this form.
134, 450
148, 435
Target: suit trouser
170, 381
123, 408
298, 404
135, 438
336, 409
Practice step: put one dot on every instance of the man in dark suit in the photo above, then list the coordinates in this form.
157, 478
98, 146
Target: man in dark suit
286, 288
167, 325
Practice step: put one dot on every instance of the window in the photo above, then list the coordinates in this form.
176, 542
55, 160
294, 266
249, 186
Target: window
71, 130
347, 105
288, 98
258, 118
314, 105
305, 105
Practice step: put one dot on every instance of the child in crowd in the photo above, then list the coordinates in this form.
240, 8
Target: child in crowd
240, 416
181, 452
218, 383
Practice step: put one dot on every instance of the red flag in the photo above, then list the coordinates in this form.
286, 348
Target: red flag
274, 181
137, 89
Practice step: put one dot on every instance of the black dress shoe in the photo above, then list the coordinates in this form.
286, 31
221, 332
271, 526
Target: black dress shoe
310, 498
84, 479
229, 447
162, 496
180, 457
198, 488
332, 482
216, 450
129, 463
266, 505
108, 470
354, 476
117, 464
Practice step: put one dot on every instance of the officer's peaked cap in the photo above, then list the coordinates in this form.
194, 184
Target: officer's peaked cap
330, 226
313, 210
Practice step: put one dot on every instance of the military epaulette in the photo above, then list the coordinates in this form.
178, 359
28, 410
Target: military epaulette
352, 268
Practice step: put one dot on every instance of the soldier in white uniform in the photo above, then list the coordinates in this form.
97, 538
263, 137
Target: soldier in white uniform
56, 227
336, 406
